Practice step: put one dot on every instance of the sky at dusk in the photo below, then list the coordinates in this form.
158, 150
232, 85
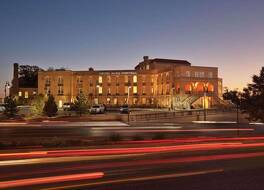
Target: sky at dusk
116, 34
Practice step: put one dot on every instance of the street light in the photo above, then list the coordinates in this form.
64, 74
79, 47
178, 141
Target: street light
238, 107
7, 85
205, 90
128, 89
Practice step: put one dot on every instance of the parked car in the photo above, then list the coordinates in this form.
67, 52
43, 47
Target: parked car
67, 106
97, 109
2, 108
124, 109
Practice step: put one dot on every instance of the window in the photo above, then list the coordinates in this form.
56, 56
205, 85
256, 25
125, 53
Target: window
147, 67
26, 94
19, 93
126, 79
196, 74
152, 90
135, 100
96, 101
100, 90
135, 89
135, 79
60, 80
202, 74
109, 79
143, 78
108, 100
117, 80
47, 90
117, 90
109, 91
60, 90
47, 81
143, 90
210, 75
100, 79
115, 101
80, 90
60, 103
188, 74
79, 80
143, 100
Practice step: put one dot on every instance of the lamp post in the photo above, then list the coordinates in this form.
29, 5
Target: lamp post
128, 90
172, 93
7, 85
204, 105
238, 107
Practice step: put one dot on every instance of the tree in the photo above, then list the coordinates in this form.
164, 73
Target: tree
232, 95
252, 98
37, 105
50, 108
80, 104
28, 76
10, 107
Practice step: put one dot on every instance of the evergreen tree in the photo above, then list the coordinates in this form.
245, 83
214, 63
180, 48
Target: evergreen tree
10, 107
80, 104
252, 101
50, 108
37, 105
232, 95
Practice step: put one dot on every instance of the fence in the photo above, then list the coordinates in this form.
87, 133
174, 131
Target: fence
161, 115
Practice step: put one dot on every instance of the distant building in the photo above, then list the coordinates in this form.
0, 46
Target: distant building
153, 83
17, 89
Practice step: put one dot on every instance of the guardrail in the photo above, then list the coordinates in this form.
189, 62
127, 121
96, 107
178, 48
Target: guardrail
161, 115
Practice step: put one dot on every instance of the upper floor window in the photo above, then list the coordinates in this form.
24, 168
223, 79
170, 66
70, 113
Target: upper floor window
47, 80
147, 67
79, 80
100, 79
210, 75
202, 74
60, 80
196, 74
188, 74
126, 78
135, 79
109, 79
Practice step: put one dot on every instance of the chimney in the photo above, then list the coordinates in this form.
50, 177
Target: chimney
15, 83
145, 58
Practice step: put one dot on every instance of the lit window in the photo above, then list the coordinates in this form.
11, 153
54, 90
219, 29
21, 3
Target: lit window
108, 100
109, 91
60, 103
126, 78
143, 90
135, 89
143, 100
96, 101
202, 74
135, 101
210, 75
109, 79
135, 79
147, 67
26, 94
115, 101
100, 79
100, 90
19, 93
152, 90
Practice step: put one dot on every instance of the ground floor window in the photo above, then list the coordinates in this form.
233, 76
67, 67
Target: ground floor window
115, 101
96, 101
143, 100
60, 103
108, 100
135, 100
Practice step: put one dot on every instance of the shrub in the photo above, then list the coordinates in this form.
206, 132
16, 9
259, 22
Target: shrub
50, 107
10, 107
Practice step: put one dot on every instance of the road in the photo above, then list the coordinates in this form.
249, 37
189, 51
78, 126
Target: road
103, 129
210, 163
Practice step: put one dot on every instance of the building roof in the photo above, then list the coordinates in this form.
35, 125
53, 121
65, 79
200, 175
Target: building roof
175, 61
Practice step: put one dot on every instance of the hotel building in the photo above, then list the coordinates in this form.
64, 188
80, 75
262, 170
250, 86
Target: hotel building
164, 83
153, 83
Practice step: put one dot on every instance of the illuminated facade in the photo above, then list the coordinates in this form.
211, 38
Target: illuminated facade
153, 83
